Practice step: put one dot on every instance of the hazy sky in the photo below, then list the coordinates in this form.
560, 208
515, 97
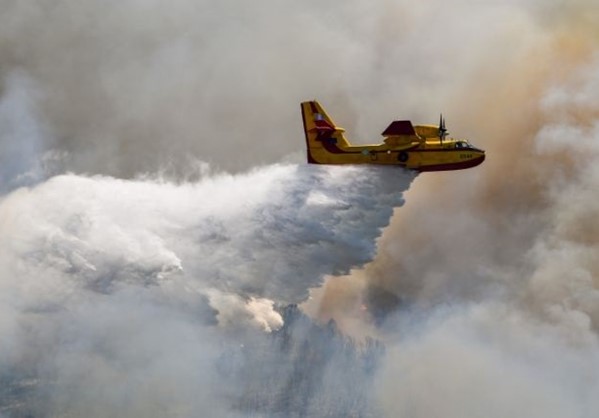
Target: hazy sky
188, 215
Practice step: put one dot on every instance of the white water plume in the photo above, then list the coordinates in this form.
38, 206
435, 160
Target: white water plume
151, 298
126, 280
271, 233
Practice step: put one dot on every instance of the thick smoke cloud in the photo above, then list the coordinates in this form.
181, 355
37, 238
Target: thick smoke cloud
487, 284
137, 284
484, 287
131, 86
126, 87
489, 358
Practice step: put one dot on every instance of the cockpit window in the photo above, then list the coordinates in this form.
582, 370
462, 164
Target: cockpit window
461, 144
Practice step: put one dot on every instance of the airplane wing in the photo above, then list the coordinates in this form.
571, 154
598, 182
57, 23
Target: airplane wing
400, 128
401, 134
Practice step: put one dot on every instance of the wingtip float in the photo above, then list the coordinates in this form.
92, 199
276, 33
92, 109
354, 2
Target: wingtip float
416, 147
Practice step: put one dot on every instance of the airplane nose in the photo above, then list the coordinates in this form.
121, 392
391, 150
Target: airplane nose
478, 158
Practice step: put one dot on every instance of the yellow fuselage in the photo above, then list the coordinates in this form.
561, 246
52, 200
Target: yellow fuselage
412, 147
428, 156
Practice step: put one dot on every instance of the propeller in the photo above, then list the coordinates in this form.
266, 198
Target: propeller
442, 131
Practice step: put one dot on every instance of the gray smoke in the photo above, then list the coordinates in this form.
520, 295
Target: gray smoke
118, 296
156, 297
486, 284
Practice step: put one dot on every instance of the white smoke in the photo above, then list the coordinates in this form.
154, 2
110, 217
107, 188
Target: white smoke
565, 278
118, 298
125, 281
489, 359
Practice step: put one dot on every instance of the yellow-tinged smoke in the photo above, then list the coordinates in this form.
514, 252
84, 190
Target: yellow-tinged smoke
485, 284
525, 222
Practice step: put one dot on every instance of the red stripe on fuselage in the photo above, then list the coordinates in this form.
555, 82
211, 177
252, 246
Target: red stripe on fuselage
334, 149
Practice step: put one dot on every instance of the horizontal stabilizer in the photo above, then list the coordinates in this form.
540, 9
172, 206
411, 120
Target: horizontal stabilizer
400, 127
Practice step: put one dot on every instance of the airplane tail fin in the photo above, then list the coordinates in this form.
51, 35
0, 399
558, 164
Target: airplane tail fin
319, 127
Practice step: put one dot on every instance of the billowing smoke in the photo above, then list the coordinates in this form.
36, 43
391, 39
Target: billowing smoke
486, 284
156, 297
112, 278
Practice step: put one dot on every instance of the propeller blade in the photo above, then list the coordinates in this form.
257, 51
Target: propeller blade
442, 130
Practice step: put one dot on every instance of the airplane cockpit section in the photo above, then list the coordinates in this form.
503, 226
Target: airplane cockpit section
462, 144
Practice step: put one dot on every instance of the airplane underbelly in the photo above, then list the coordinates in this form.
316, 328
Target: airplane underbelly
416, 160
447, 160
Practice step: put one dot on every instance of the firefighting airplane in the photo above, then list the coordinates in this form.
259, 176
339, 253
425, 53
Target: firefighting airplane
419, 147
